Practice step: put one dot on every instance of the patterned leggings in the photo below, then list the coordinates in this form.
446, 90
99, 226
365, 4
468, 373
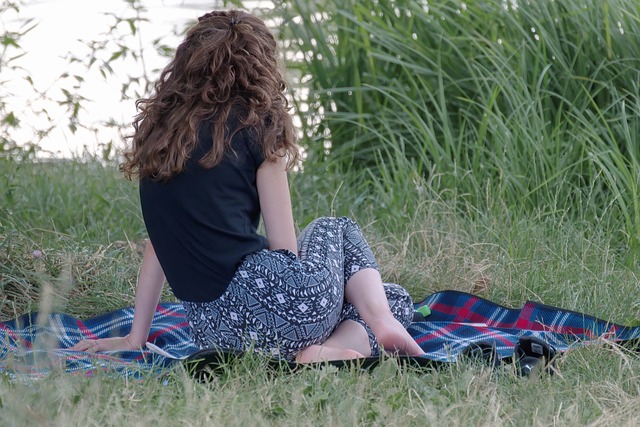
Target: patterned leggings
280, 303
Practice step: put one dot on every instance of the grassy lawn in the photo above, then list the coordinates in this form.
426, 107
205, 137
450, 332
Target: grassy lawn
85, 220
484, 146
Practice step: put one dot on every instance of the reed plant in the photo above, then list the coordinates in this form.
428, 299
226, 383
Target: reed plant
534, 104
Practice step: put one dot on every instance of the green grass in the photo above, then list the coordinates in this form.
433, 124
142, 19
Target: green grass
503, 257
85, 220
475, 156
598, 386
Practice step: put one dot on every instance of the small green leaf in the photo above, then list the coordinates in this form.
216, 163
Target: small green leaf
7, 40
11, 119
132, 26
117, 54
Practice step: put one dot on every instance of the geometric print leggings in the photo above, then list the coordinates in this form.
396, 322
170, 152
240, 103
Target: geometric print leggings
280, 303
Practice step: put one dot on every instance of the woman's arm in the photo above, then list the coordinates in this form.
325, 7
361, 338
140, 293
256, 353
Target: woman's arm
148, 290
275, 203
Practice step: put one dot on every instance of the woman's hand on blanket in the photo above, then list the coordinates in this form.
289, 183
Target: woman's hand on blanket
106, 344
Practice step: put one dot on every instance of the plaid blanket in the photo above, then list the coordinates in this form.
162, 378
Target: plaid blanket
33, 347
459, 319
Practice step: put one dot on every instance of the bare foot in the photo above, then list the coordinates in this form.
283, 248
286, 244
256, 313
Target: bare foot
324, 353
394, 338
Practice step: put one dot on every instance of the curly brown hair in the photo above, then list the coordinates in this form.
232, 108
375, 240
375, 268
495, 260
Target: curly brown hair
227, 61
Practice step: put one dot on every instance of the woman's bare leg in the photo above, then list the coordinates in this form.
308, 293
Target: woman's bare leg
365, 291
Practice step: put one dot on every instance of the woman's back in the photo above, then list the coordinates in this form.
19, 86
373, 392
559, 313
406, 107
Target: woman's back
202, 221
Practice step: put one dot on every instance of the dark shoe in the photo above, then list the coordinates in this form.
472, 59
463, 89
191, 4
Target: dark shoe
483, 351
532, 354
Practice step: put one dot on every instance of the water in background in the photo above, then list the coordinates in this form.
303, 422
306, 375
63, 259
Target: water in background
68, 26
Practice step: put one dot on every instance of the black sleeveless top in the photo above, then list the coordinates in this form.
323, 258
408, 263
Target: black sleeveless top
202, 222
